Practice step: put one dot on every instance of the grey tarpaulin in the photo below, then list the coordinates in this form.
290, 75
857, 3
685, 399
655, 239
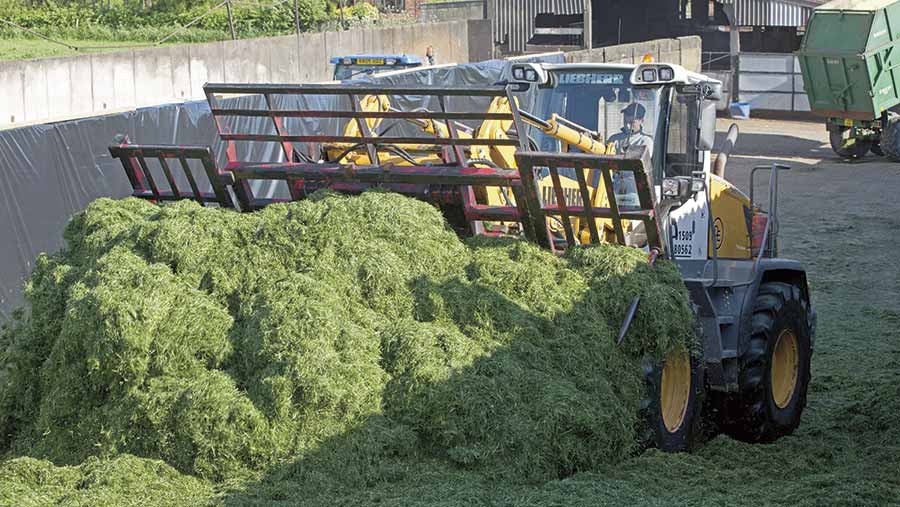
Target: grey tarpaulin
50, 172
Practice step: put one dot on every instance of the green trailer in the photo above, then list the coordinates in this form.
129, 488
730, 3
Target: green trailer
851, 72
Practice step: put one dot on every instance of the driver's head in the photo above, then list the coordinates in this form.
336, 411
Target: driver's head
634, 117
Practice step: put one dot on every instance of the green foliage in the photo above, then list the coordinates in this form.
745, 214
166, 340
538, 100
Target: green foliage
361, 10
129, 23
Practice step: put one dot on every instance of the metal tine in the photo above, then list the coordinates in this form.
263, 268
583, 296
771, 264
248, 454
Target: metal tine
458, 152
169, 177
562, 204
279, 128
214, 176
149, 176
371, 147
613, 205
588, 203
190, 177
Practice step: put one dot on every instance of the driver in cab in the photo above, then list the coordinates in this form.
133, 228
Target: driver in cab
632, 133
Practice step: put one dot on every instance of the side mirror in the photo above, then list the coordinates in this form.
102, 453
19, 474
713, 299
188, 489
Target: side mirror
707, 137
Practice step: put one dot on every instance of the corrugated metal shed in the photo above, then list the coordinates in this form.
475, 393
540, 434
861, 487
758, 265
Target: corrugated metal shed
773, 12
515, 18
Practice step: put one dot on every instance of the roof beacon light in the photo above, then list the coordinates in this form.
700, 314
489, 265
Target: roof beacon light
648, 58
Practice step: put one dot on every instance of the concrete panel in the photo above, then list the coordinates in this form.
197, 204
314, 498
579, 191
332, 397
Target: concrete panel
181, 72
103, 90
12, 100
436, 35
59, 87
36, 104
480, 42
585, 56
372, 42
404, 41
669, 51
207, 65
691, 52
458, 39
619, 54
124, 80
82, 92
246, 61
153, 77
765, 82
343, 43
284, 66
313, 60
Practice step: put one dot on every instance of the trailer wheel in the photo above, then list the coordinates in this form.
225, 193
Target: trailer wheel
673, 407
774, 370
846, 146
890, 136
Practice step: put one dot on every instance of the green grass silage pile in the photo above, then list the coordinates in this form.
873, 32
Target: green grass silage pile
342, 342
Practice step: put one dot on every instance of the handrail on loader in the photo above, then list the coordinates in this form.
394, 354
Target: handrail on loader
455, 184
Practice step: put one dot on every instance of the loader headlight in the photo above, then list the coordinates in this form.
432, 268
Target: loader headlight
531, 76
648, 75
697, 185
675, 188
518, 73
666, 74
390, 61
347, 61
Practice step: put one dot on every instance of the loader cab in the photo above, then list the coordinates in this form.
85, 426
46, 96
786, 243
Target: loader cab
677, 108
678, 127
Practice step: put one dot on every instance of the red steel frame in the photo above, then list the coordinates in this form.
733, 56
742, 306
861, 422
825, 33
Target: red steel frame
451, 184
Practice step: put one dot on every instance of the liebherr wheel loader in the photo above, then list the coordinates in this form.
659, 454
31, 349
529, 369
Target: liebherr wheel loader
567, 171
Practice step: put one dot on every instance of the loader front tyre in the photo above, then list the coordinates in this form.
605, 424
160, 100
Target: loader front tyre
890, 137
846, 146
674, 400
774, 370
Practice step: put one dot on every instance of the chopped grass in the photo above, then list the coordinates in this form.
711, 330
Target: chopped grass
335, 341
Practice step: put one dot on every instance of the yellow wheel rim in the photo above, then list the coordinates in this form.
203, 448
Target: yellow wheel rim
785, 367
676, 389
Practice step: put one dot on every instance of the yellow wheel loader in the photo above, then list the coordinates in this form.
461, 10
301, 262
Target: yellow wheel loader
563, 155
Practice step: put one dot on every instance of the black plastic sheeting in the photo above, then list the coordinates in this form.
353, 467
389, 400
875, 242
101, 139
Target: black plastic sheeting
50, 172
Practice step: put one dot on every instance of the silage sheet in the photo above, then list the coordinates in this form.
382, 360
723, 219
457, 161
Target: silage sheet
49, 172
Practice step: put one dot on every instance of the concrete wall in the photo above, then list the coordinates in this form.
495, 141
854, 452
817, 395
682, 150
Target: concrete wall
63, 88
684, 51
449, 11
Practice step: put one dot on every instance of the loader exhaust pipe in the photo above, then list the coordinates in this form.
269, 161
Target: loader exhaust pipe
725, 151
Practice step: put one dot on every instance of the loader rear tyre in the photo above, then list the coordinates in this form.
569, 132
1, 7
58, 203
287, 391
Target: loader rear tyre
890, 137
774, 370
673, 406
845, 146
